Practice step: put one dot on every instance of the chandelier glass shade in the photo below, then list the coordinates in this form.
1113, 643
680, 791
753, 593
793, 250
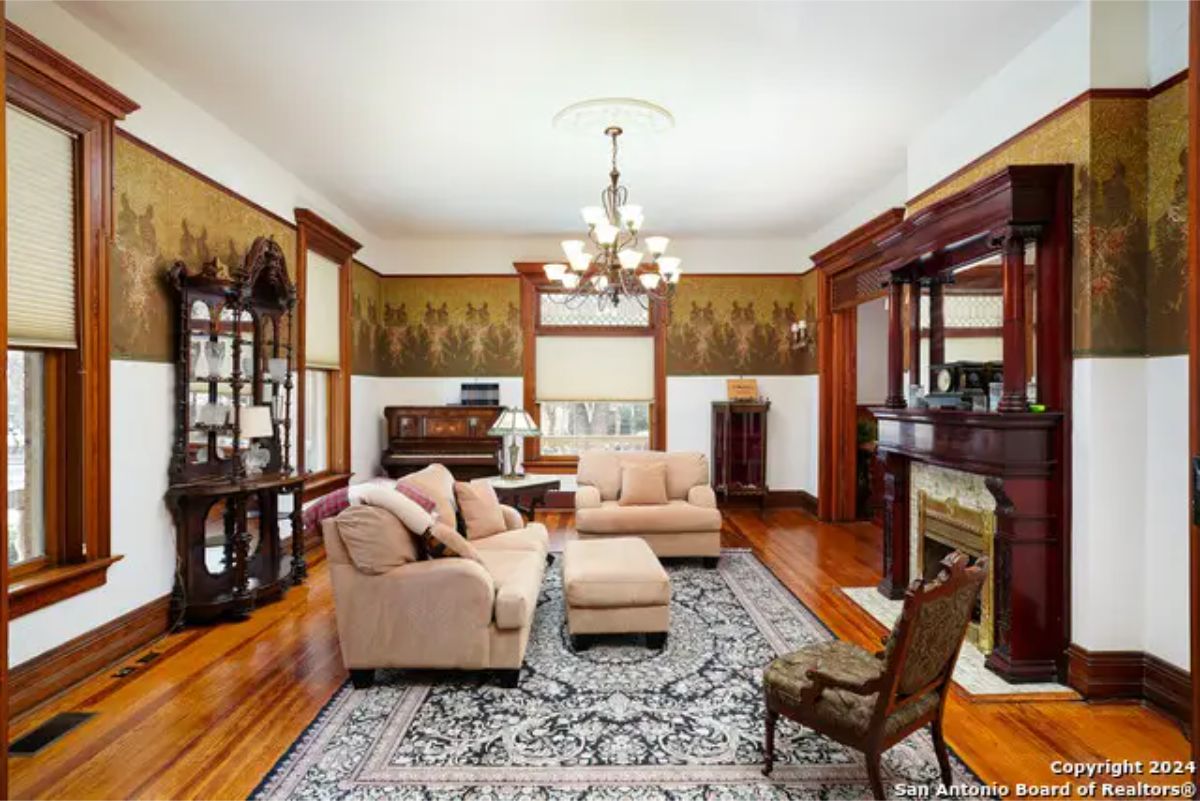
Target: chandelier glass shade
619, 264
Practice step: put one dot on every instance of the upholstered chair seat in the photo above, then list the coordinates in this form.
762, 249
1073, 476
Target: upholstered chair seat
873, 701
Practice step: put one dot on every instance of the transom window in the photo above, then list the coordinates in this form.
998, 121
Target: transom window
627, 314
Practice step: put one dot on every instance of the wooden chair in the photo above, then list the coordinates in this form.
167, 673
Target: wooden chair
873, 701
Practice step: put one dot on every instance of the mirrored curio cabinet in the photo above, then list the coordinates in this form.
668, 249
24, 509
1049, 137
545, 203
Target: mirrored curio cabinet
233, 486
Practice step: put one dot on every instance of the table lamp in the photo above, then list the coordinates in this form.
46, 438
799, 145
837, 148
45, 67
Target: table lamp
513, 422
255, 423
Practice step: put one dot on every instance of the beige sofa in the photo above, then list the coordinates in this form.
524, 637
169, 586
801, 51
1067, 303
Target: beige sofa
446, 613
689, 524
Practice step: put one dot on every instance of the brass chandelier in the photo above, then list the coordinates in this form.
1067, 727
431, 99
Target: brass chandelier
616, 268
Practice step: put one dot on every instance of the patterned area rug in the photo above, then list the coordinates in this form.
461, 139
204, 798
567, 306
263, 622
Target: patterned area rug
615, 721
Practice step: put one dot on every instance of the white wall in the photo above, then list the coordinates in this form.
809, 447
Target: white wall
184, 130
791, 424
1054, 68
1167, 504
142, 531
872, 342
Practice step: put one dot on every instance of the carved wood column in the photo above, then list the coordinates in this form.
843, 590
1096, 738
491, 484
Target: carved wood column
895, 524
895, 377
937, 323
1012, 398
1029, 627
914, 333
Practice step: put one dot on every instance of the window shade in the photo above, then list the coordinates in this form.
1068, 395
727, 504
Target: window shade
322, 343
595, 368
41, 232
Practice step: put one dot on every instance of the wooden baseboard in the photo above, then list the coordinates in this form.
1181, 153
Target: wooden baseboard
46, 675
1101, 675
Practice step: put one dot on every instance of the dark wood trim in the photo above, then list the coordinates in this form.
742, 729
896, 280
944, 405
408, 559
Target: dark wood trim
58, 669
1108, 675
195, 173
965, 333
533, 277
840, 253
1082, 97
56, 89
1193, 300
22, 48
324, 484
57, 583
5, 676
314, 232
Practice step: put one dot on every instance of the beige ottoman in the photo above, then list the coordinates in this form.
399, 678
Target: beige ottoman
615, 586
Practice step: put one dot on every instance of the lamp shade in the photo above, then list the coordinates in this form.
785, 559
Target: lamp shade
514, 421
256, 422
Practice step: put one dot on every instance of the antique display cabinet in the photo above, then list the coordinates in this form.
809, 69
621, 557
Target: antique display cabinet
231, 471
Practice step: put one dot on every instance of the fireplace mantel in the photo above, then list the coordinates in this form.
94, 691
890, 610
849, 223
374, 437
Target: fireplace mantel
1017, 453
991, 444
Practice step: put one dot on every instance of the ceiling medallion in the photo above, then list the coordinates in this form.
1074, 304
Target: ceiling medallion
616, 269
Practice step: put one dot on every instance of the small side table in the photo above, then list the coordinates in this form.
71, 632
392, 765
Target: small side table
524, 494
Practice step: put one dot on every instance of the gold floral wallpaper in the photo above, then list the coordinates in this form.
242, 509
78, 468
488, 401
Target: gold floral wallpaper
1166, 275
739, 325
1130, 198
366, 329
164, 213
428, 326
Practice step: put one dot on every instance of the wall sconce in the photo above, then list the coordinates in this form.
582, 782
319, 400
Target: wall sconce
803, 335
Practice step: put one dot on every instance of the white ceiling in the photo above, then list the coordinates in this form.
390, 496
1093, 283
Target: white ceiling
434, 118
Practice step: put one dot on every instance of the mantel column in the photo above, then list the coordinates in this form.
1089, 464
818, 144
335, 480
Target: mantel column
937, 323
895, 524
914, 333
895, 377
1013, 397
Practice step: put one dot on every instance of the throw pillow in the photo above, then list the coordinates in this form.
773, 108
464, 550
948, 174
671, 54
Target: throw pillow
643, 484
442, 541
480, 508
416, 495
375, 540
436, 482
414, 518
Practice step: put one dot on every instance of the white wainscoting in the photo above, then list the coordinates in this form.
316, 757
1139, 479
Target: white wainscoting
791, 428
142, 531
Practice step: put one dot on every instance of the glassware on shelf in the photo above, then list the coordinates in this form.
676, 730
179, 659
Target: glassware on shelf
995, 389
215, 351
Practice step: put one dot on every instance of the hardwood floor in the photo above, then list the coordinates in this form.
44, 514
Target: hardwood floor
212, 714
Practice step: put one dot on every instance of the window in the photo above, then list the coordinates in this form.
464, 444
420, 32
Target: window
324, 255
58, 160
26, 459
572, 427
316, 421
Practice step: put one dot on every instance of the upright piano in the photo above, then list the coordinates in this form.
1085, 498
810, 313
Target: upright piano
455, 436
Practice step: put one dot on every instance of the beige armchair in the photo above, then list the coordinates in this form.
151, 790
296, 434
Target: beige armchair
688, 524
450, 613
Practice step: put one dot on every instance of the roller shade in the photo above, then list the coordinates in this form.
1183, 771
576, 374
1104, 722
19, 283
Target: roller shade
41, 232
595, 368
322, 343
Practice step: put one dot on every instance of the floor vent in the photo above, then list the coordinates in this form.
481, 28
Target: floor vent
47, 733
150, 657
123, 672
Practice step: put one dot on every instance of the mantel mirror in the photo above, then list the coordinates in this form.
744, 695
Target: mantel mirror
961, 353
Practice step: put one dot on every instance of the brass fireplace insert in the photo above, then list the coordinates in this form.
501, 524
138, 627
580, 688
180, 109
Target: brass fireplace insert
955, 527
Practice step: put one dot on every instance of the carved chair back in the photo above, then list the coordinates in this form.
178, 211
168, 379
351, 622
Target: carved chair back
924, 644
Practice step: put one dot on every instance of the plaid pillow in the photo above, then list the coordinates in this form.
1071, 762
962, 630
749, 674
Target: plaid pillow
416, 496
329, 505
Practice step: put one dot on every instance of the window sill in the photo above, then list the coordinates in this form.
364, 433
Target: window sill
566, 465
46, 587
323, 484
